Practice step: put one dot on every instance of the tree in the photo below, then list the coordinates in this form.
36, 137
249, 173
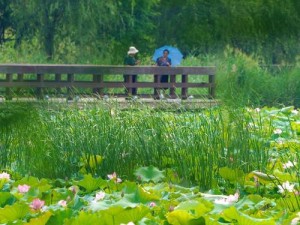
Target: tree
5, 18
105, 29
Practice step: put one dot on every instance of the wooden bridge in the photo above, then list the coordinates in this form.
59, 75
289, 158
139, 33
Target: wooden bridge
68, 79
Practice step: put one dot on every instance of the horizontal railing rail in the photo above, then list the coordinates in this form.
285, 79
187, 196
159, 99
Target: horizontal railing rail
16, 76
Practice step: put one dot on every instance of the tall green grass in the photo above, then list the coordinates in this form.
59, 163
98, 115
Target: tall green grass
244, 80
65, 140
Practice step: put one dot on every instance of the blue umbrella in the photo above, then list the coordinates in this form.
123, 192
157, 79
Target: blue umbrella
175, 55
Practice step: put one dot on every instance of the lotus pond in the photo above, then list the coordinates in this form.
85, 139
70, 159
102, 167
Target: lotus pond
104, 165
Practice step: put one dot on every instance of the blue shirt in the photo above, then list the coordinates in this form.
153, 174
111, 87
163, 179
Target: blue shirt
161, 61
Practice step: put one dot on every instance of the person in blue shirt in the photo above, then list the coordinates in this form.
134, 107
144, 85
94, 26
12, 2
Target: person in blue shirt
164, 60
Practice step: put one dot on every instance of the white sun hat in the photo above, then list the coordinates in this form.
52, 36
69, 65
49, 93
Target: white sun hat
132, 50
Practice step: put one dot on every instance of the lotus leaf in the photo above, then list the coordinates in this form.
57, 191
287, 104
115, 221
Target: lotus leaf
41, 220
150, 173
13, 212
90, 183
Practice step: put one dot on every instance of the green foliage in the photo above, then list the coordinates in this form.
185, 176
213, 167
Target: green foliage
41, 220
176, 205
241, 80
5, 198
16, 115
90, 184
79, 28
14, 212
101, 31
5, 20
14, 118
146, 174
231, 175
232, 215
64, 141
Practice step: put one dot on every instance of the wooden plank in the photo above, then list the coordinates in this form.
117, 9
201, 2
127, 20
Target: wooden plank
58, 80
20, 78
98, 79
156, 90
98, 84
97, 69
173, 86
211, 90
70, 86
39, 90
88, 84
9, 80
184, 90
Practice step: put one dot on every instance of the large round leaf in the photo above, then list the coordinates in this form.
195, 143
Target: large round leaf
150, 173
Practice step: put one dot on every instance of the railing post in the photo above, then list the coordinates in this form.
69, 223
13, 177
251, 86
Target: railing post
156, 90
58, 80
212, 87
39, 90
20, 78
98, 78
70, 88
9, 79
172, 89
184, 90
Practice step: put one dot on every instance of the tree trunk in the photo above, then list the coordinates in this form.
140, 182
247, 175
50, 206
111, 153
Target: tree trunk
48, 33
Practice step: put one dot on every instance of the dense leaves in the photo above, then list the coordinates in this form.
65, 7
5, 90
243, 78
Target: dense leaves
269, 28
112, 203
262, 190
150, 173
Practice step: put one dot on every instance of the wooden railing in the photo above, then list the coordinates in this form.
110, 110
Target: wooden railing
41, 77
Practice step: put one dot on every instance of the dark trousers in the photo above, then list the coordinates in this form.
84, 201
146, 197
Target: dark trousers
134, 80
160, 79
164, 79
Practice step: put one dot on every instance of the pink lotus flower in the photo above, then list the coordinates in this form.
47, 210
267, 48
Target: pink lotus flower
114, 177
152, 204
37, 204
23, 188
171, 208
74, 189
5, 176
62, 203
228, 200
100, 196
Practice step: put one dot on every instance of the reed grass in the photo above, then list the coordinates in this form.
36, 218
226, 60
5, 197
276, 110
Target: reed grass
192, 145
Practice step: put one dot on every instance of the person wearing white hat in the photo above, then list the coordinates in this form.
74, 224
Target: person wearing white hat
132, 50
130, 60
